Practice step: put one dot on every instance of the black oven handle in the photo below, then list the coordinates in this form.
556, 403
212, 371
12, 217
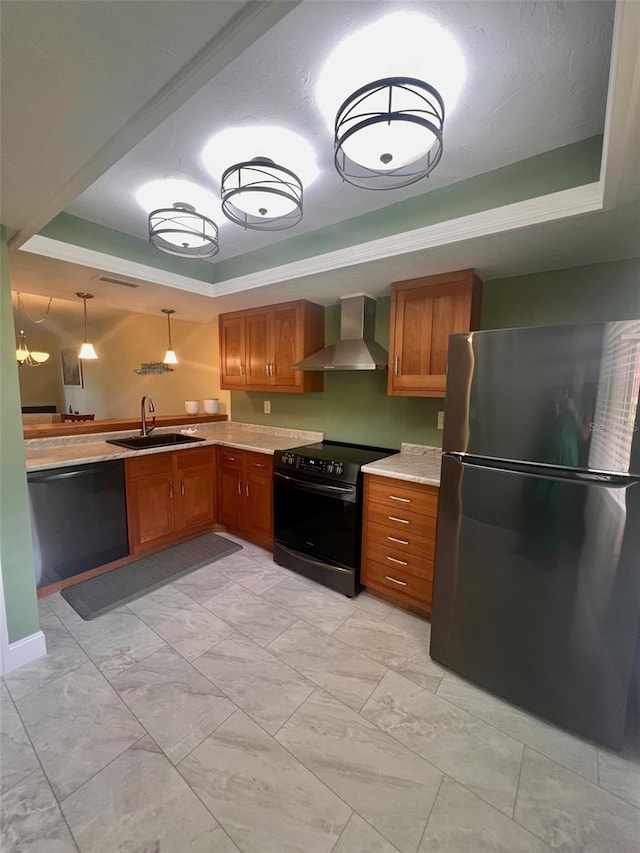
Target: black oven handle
323, 488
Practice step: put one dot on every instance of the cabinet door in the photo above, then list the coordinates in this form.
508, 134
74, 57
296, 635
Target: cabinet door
423, 315
286, 347
232, 352
258, 350
149, 510
194, 489
230, 487
257, 522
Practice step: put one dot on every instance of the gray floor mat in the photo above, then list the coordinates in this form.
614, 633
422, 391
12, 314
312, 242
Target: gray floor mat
94, 597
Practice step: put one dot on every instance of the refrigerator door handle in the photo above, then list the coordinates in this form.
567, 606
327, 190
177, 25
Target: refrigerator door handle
548, 472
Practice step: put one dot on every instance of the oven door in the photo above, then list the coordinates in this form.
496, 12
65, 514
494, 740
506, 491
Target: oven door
317, 518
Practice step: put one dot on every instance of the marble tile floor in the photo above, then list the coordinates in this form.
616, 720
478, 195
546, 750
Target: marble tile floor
244, 708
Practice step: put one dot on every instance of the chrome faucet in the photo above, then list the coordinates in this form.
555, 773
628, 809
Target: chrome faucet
143, 415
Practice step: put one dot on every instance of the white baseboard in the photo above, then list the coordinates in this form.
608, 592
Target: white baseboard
24, 651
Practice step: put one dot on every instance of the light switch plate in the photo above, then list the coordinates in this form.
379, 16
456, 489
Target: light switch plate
440, 420
267, 407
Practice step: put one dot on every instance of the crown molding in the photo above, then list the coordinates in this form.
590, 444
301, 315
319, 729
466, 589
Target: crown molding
510, 217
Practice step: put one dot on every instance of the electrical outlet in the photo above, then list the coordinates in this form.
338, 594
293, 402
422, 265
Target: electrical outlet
440, 420
267, 407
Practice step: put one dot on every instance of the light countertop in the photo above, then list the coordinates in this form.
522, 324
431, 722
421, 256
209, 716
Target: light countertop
416, 463
42, 453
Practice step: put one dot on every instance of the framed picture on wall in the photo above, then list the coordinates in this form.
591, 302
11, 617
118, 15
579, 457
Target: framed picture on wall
71, 369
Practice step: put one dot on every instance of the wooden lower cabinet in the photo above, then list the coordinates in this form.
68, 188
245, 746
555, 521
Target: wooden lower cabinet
245, 494
399, 531
170, 496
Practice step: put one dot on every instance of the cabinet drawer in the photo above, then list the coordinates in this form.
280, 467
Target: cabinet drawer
420, 566
147, 466
402, 541
230, 458
399, 581
399, 520
259, 464
396, 495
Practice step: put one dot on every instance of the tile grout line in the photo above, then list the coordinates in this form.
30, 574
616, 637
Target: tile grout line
433, 805
515, 799
326, 784
43, 771
508, 734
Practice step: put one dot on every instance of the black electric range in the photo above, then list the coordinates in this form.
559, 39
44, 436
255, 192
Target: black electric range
317, 511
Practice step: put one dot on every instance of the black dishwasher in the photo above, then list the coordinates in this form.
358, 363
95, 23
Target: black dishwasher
78, 519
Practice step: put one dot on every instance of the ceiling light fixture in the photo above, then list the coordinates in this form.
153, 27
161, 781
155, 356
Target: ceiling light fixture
181, 230
170, 356
32, 358
261, 195
388, 134
87, 350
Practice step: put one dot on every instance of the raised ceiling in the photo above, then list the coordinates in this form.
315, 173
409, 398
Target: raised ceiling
537, 76
536, 80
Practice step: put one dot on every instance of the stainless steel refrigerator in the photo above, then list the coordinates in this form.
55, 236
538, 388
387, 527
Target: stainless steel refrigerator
537, 567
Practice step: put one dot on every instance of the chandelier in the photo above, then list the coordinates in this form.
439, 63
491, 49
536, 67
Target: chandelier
32, 358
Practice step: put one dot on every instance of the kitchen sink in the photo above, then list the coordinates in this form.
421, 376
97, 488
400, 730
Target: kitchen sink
143, 442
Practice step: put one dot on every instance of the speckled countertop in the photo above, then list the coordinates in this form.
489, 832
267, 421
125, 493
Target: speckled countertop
57, 452
417, 463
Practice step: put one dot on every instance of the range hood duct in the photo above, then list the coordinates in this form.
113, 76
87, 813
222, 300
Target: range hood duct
356, 349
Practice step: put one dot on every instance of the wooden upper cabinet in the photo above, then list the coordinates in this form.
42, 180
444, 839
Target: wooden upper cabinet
232, 352
259, 347
424, 312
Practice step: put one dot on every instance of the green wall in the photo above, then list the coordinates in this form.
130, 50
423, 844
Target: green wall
354, 405
16, 557
570, 166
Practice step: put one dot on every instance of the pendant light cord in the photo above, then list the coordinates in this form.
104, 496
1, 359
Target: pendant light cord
26, 313
169, 328
84, 302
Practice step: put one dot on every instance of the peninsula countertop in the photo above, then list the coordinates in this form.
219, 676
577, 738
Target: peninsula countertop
416, 463
44, 453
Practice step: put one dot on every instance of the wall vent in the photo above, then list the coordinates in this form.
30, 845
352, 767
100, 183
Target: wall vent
119, 281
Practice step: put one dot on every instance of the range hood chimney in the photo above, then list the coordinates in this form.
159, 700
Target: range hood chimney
356, 349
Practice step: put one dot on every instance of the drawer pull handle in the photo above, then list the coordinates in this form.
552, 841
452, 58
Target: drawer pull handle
259, 465
229, 458
400, 562
399, 541
402, 500
400, 520
395, 580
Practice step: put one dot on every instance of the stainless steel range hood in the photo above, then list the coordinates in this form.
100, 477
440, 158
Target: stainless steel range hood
356, 349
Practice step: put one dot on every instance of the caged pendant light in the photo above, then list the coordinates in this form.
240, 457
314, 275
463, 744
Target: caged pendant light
87, 350
170, 356
261, 195
388, 134
181, 230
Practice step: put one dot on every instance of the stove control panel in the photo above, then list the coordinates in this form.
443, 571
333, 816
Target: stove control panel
310, 465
